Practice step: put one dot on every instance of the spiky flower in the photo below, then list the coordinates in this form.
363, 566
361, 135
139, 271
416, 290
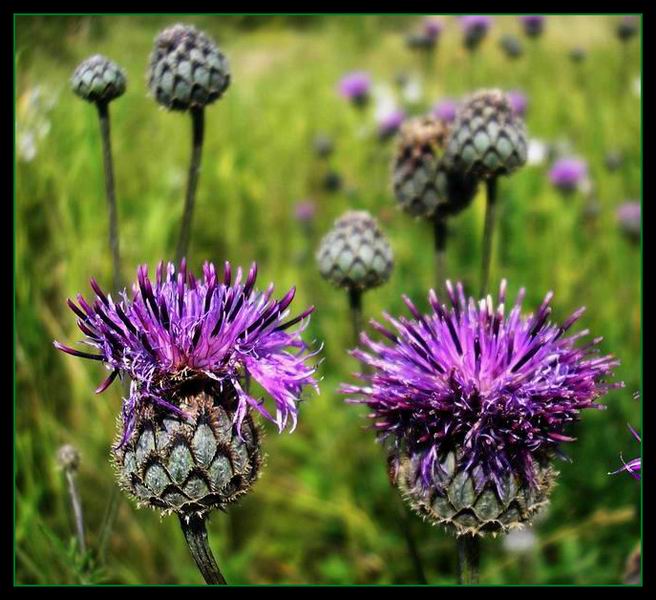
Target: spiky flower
568, 173
473, 404
355, 254
187, 70
633, 466
188, 347
627, 28
487, 138
423, 182
474, 29
511, 46
98, 79
533, 25
629, 219
356, 87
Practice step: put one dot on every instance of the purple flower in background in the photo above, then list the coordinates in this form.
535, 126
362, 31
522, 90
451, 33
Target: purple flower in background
179, 329
518, 102
633, 466
445, 110
501, 388
356, 87
305, 210
568, 173
628, 216
433, 27
389, 123
474, 28
533, 24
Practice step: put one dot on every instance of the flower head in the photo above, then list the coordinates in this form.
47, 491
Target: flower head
533, 24
433, 27
568, 173
518, 102
389, 123
474, 28
305, 210
178, 330
628, 216
498, 390
356, 87
633, 466
445, 110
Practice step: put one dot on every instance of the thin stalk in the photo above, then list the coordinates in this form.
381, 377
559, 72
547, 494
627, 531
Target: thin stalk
355, 304
103, 115
440, 233
469, 554
490, 215
197, 129
195, 532
108, 521
76, 503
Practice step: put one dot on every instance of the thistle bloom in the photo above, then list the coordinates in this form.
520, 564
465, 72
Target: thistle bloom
179, 329
568, 173
433, 27
498, 391
633, 466
389, 123
445, 110
356, 87
628, 216
533, 24
518, 102
475, 28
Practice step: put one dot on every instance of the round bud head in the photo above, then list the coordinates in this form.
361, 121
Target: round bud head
332, 181
465, 505
627, 28
98, 79
189, 465
487, 138
511, 46
421, 180
355, 254
187, 70
68, 457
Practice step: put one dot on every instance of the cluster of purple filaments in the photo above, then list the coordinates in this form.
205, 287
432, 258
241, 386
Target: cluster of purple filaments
634, 465
179, 329
499, 389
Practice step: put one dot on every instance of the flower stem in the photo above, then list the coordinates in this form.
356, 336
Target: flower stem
197, 126
108, 522
469, 553
490, 215
440, 232
76, 503
195, 532
355, 304
103, 115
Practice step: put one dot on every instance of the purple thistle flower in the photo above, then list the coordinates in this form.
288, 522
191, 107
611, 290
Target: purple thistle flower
181, 329
474, 28
389, 123
533, 24
305, 210
518, 102
356, 87
633, 466
445, 110
628, 216
568, 173
502, 389
433, 27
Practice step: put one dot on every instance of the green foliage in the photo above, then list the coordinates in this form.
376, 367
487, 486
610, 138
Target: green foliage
323, 510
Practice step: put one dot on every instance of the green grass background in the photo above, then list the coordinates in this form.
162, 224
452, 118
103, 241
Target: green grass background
323, 511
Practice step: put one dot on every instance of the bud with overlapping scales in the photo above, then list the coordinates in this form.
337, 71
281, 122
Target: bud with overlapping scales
98, 79
355, 254
422, 182
487, 138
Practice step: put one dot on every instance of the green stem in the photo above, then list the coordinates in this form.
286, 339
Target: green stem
490, 213
76, 504
108, 522
355, 304
197, 126
103, 115
440, 233
469, 553
195, 532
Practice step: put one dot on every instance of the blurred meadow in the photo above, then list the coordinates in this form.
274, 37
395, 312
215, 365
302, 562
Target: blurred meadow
323, 510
